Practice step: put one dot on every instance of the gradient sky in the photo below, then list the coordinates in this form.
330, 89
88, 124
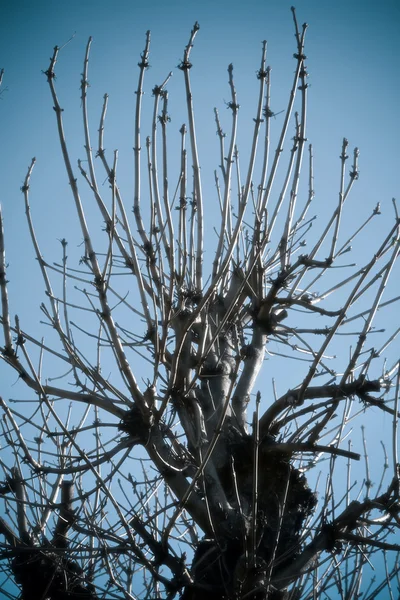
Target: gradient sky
352, 50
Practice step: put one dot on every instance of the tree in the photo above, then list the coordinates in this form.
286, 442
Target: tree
218, 501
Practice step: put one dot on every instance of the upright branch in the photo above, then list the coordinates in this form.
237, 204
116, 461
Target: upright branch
8, 345
185, 66
226, 201
143, 66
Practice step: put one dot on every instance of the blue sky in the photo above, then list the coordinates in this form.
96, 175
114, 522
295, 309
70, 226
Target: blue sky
352, 50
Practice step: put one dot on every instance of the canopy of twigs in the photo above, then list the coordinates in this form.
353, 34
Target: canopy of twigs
110, 483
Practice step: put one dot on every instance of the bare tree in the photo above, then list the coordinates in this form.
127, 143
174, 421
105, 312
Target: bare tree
196, 484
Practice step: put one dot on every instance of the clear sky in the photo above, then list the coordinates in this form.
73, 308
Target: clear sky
352, 50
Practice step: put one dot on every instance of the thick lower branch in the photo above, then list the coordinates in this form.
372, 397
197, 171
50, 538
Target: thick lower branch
360, 388
158, 452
